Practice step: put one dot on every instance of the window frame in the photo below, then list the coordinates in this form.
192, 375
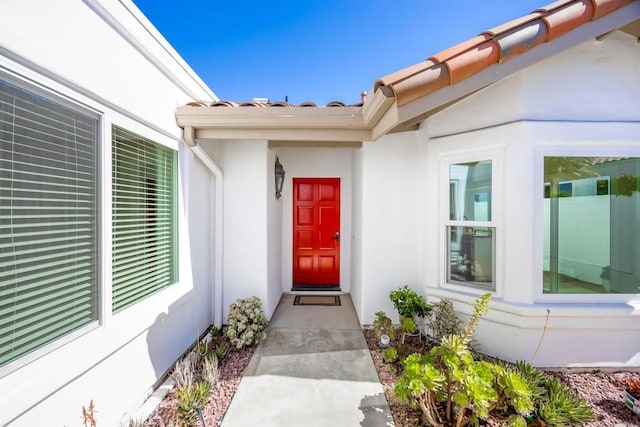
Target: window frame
54, 97
574, 149
174, 252
494, 155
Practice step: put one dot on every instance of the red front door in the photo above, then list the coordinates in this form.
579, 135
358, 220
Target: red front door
316, 231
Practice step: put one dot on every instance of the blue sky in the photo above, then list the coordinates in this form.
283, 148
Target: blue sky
316, 50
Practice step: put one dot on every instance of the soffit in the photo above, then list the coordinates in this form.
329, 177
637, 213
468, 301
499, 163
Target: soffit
306, 124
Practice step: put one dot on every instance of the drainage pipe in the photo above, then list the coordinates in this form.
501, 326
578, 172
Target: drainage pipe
216, 301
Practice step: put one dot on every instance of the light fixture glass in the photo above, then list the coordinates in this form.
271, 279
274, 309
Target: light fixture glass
279, 174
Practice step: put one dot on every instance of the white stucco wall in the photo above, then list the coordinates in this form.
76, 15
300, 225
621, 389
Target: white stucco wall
388, 221
245, 222
582, 103
100, 57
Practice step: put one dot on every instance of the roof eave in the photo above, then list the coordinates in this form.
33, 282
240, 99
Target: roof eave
334, 124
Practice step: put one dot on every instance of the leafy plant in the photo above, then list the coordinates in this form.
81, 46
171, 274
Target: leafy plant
408, 325
390, 354
246, 323
382, 325
451, 388
222, 351
443, 319
409, 303
189, 399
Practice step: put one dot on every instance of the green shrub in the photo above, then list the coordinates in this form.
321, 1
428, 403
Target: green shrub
409, 303
246, 323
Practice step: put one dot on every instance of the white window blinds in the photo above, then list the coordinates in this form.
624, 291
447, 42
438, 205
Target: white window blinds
48, 221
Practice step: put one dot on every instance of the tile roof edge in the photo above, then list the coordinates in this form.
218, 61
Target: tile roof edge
399, 82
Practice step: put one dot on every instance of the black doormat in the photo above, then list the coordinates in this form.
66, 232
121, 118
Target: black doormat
316, 300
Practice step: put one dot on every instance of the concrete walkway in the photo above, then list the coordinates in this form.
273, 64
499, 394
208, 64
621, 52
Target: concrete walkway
314, 369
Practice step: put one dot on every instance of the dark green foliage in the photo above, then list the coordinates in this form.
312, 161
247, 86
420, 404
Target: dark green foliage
409, 303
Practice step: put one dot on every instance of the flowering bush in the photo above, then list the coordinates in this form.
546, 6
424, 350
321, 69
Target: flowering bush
245, 323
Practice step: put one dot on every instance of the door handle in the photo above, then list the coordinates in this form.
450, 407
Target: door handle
336, 237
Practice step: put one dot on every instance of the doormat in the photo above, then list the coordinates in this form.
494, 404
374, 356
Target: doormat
316, 300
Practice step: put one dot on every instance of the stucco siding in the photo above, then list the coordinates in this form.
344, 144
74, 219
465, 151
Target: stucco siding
389, 241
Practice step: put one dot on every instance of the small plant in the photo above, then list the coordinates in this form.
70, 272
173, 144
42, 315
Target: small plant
184, 370
246, 322
409, 303
190, 398
554, 402
210, 370
214, 331
390, 354
88, 415
222, 351
382, 325
408, 325
202, 347
443, 319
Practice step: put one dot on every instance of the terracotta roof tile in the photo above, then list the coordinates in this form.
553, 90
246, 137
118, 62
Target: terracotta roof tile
459, 48
473, 60
224, 103
604, 7
493, 46
428, 80
562, 20
519, 40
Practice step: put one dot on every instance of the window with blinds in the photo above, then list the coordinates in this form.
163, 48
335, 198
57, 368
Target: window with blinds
48, 223
144, 218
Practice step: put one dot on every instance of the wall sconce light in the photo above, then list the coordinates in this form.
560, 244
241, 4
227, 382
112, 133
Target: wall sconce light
279, 173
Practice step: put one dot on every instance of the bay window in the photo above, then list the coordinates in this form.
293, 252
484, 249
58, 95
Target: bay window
591, 225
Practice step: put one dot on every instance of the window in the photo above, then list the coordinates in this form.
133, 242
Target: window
48, 222
144, 217
591, 225
470, 232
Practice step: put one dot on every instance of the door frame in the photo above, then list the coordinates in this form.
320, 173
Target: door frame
317, 181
